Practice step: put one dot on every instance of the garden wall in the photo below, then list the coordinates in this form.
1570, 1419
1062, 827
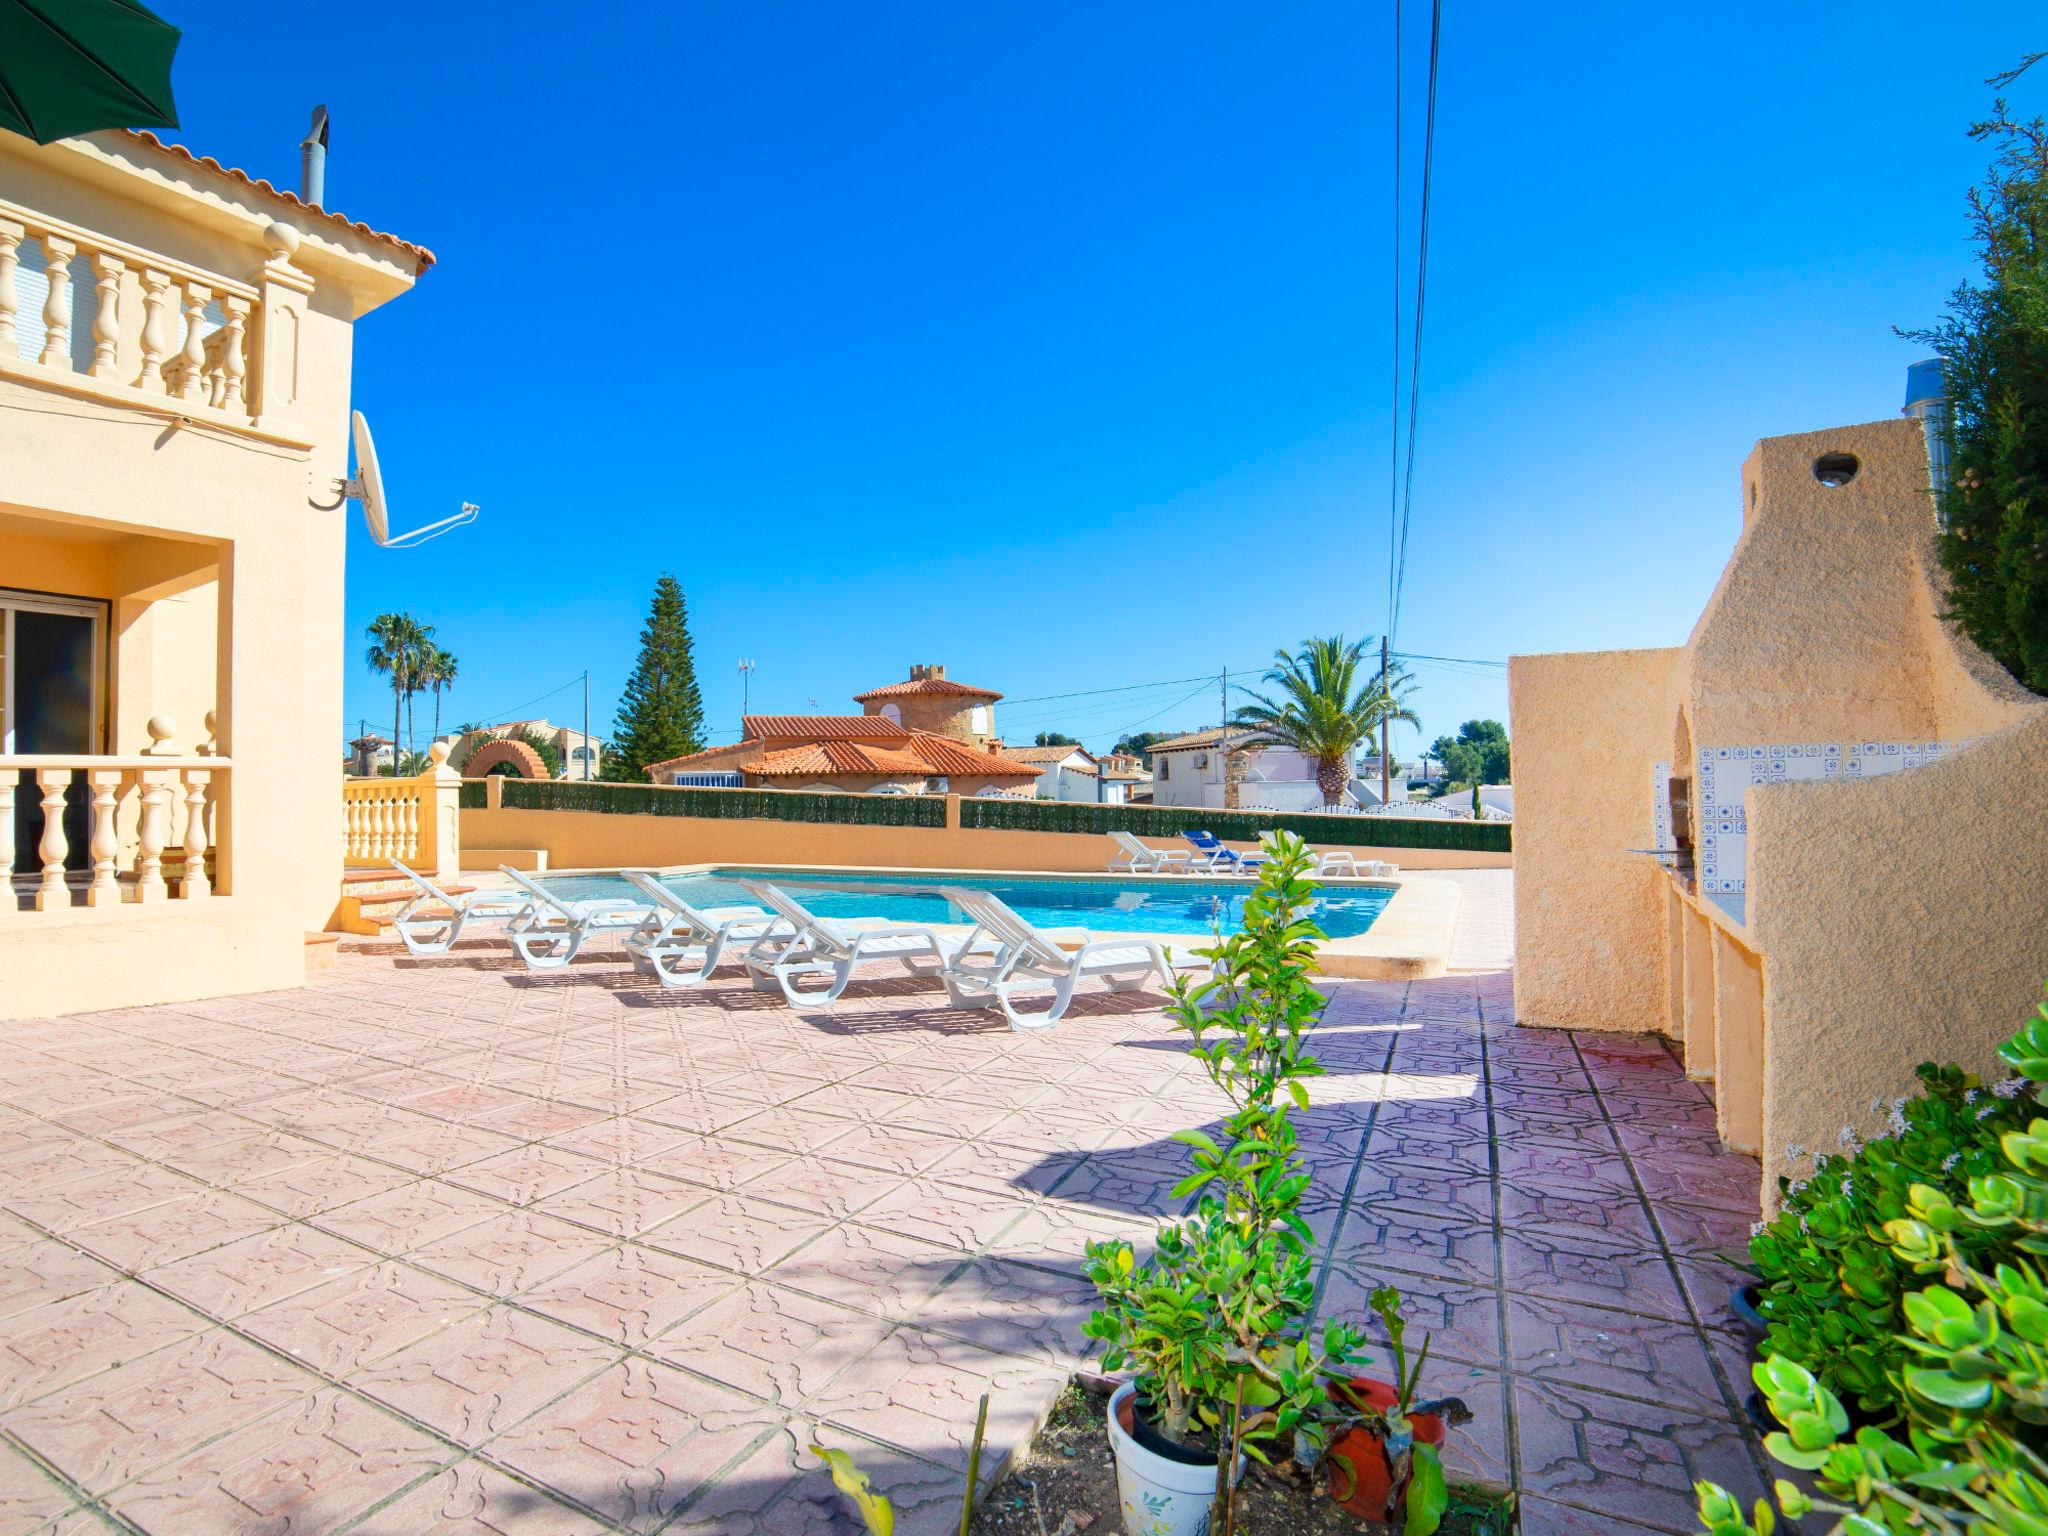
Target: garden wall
1589, 730
650, 825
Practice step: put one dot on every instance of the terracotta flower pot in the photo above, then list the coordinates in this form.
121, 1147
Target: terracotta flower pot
1360, 1480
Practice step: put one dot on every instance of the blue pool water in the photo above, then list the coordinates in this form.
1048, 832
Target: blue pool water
1191, 906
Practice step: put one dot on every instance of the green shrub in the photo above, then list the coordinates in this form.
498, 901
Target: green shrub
474, 795
1971, 1379
1169, 821
730, 804
1830, 1284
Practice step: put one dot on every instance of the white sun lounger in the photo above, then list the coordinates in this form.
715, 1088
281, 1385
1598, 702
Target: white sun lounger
1352, 864
553, 930
834, 948
426, 932
685, 948
1138, 858
1025, 959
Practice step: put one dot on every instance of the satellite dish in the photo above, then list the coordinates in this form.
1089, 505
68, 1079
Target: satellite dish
368, 488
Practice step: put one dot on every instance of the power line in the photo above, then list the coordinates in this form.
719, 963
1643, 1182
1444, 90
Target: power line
497, 716
1394, 394
1476, 661
1436, 20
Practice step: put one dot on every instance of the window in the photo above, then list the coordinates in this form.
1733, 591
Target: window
892, 713
978, 720
1164, 764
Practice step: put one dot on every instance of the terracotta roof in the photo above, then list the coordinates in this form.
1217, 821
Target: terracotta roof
925, 685
839, 757
1129, 775
948, 756
420, 253
697, 757
821, 728
1209, 738
1048, 754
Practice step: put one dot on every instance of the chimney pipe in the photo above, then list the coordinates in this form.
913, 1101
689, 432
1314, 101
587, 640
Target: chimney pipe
313, 161
1927, 398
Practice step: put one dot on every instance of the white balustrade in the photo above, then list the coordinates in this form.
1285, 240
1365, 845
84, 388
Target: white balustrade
381, 820
173, 801
197, 329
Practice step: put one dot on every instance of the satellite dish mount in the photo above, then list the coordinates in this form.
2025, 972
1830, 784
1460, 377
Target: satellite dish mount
368, 488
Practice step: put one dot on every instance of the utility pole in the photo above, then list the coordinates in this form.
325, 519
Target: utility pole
586, 725
746, 688
1223, 754
1386, 774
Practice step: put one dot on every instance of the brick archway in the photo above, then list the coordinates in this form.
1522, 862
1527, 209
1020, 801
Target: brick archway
517, 753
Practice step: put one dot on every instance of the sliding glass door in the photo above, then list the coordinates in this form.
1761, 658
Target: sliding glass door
52, 660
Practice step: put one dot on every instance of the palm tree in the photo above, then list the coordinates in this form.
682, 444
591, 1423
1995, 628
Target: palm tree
397, 641
438, 672
1324, 707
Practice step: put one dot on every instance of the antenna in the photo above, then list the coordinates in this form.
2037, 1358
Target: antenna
368, 488
746, 683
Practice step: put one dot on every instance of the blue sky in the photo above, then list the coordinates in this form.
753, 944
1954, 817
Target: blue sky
1053, 343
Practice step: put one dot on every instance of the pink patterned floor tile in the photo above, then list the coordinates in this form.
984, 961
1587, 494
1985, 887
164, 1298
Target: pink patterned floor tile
1618, 1352
1588, 1268
1015, 1309
473, 1498
769, 1343
818, 1184
739, 1232
953, 1215
628, 1294
526, 1174
1462, 1318
29, 1496
162, 1234
311, 1469
124, 1422
239, 1277
624, 1202
359, 1318
870, 1271
35, 1274
716, 1163
66, 1341
920, 1392
636, 1443
511, 1252
306, 1189
412, 1215
482, 1375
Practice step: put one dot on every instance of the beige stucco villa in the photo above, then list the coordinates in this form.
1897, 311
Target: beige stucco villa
1828, 864
174, 388
925, 735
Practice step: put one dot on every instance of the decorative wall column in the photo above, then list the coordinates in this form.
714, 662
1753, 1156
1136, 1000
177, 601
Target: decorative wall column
439, 831
281, 291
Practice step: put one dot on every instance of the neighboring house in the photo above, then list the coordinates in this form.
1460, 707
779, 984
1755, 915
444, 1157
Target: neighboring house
369, 756
1068, 772
1192, 770
175, 342
1124, 778
923, 736
582, 756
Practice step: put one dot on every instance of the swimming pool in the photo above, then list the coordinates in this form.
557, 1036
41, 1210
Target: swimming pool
1180, 905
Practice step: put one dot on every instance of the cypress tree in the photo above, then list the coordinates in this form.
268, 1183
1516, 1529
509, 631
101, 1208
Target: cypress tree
1994, 354
661, 714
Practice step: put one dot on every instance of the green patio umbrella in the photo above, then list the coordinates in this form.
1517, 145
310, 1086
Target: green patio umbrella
70, 66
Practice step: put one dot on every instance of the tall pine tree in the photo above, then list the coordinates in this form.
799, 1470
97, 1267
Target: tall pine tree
661, 714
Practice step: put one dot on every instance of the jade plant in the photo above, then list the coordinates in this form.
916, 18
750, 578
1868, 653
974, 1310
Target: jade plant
1966, 1458
1829, 1284
1217, 1322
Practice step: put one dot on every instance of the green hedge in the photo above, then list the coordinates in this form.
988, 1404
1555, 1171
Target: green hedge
472, 796
727, 804
1236, 826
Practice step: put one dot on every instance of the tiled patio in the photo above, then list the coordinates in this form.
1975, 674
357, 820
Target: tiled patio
437, 1246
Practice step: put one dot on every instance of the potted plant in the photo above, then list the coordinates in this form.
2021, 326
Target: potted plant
1383, 1456
1216, 1323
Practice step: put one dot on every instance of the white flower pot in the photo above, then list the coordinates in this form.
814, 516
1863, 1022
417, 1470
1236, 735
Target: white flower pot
1160, 1496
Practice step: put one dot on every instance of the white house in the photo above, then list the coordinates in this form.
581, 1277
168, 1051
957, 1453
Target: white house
1069, 772
1188, 770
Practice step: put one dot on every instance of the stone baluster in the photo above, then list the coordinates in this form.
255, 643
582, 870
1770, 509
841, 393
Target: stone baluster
195, 886
11, 235
105, 890
149, 862
380, 845
106, 320
57, 307
192, 357
7, 778
409, 811
153, 831
52, 893
155, 339
234, 362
